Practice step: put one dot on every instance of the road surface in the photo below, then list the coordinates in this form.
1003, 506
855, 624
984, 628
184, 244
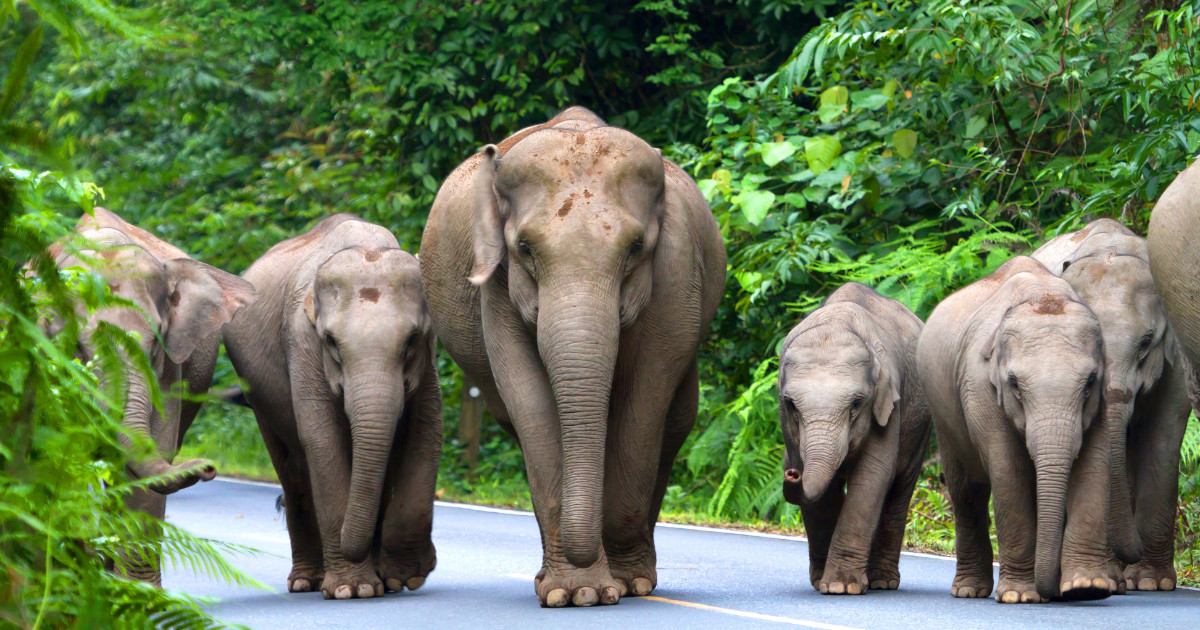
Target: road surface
707, 578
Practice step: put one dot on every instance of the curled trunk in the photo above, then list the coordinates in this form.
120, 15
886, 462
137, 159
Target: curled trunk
138, 415
374, 410
578, 333
825, 447
1122, 532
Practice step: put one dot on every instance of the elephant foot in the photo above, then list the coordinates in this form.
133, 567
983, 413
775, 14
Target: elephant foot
400, 569
972, 586
304, 579
1116, 574
1086, 584
839, 581
1014, 591
634, 578
883, 578
1141, 577
357, 581
560, 585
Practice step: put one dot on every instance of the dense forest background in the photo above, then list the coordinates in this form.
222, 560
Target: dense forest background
910, 145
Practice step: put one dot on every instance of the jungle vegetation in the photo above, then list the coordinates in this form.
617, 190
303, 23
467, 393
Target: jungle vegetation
913, 145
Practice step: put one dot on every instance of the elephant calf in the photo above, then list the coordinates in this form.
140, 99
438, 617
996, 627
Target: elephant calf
855, 425
182, 305
1013, 367
1146, 393
339, 360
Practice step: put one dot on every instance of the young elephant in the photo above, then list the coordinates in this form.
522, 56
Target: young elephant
1012, 366
339, 360
855, 425
1146, 393
572, 273
182, 306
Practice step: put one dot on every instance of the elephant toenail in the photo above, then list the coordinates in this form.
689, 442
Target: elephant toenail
414, 583
642, 586
343, 592
365, 591
585, 596
556, 598
395, 584
609, 595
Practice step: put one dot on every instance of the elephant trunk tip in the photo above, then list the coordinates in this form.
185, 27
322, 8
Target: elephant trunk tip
353, 549
582, 556
793, 490
814, 487
792, 475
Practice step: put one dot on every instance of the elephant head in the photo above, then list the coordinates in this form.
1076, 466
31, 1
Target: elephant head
571, 218
367, 313
1045, 361
834, 387
1138, 344
178, 304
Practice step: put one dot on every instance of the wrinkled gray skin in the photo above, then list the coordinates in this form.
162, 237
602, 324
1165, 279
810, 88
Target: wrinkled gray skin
1146, 394
338, 357
184, 302
855, 424
572, 273
1013, 367
1175, 265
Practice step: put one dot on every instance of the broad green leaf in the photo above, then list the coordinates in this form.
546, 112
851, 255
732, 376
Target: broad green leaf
830, 112
974, 126
776, 152
755, 204
836, 95
889, 88
905, 141
820, 152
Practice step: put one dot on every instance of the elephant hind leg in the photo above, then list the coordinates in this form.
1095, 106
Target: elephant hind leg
1154, 474
301, 520
972, 541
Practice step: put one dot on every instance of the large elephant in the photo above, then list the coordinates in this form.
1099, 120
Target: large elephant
572, 273
1146, 393
1013, 367
855, 425
182, 305
338, 358
1175, 266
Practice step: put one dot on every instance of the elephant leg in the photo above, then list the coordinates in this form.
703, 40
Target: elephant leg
307, 558
1085, 547
324, 436
407, 554
1156, 433
142, 566
197, 371
529, 402
866, 494
820, 519
1014, 494
972, 540
883, 567
641, 450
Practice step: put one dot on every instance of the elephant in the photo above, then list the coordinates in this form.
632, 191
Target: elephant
1146, 394
1013, 367
1174, 265
338, 360
572, 273
853, 415
181, 305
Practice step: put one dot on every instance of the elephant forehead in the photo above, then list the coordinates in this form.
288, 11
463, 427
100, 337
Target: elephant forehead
601, 157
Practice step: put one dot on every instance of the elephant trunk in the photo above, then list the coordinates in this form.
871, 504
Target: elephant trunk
1053, 469
578, 334
374, 409
138, 414
1122, 532
824, 449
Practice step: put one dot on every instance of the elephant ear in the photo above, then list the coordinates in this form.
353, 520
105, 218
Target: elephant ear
887, 392
200, 300
1170, 345
489, 236
988, 354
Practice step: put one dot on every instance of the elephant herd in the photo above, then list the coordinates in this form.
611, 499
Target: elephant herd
572, 273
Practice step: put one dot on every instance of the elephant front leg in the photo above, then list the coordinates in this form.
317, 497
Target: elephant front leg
1154, 474
327, 451
850, 549
820, 521
972, 542
407, 555
1085, 573
1014, 491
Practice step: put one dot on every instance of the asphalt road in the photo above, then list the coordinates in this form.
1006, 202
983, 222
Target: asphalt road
707, 578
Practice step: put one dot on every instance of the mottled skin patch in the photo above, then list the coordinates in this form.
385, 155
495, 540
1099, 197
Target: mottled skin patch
565, 209
371, 256
370, 294
1050, 305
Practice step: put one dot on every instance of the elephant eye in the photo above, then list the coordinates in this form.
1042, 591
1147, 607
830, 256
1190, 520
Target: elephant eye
1091, 380
635, 247
1147, 339
857, 402
410, 344
523, 247
789, 405
331, 341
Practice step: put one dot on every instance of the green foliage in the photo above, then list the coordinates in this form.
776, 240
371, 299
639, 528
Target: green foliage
62, 469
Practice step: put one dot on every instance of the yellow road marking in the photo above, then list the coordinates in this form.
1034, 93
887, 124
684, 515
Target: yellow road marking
750, 615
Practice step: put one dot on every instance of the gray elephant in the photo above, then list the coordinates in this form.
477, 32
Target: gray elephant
182, 305
1146, 393
572, 273
338, 358
1175, 265
855, 425
1013, 367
